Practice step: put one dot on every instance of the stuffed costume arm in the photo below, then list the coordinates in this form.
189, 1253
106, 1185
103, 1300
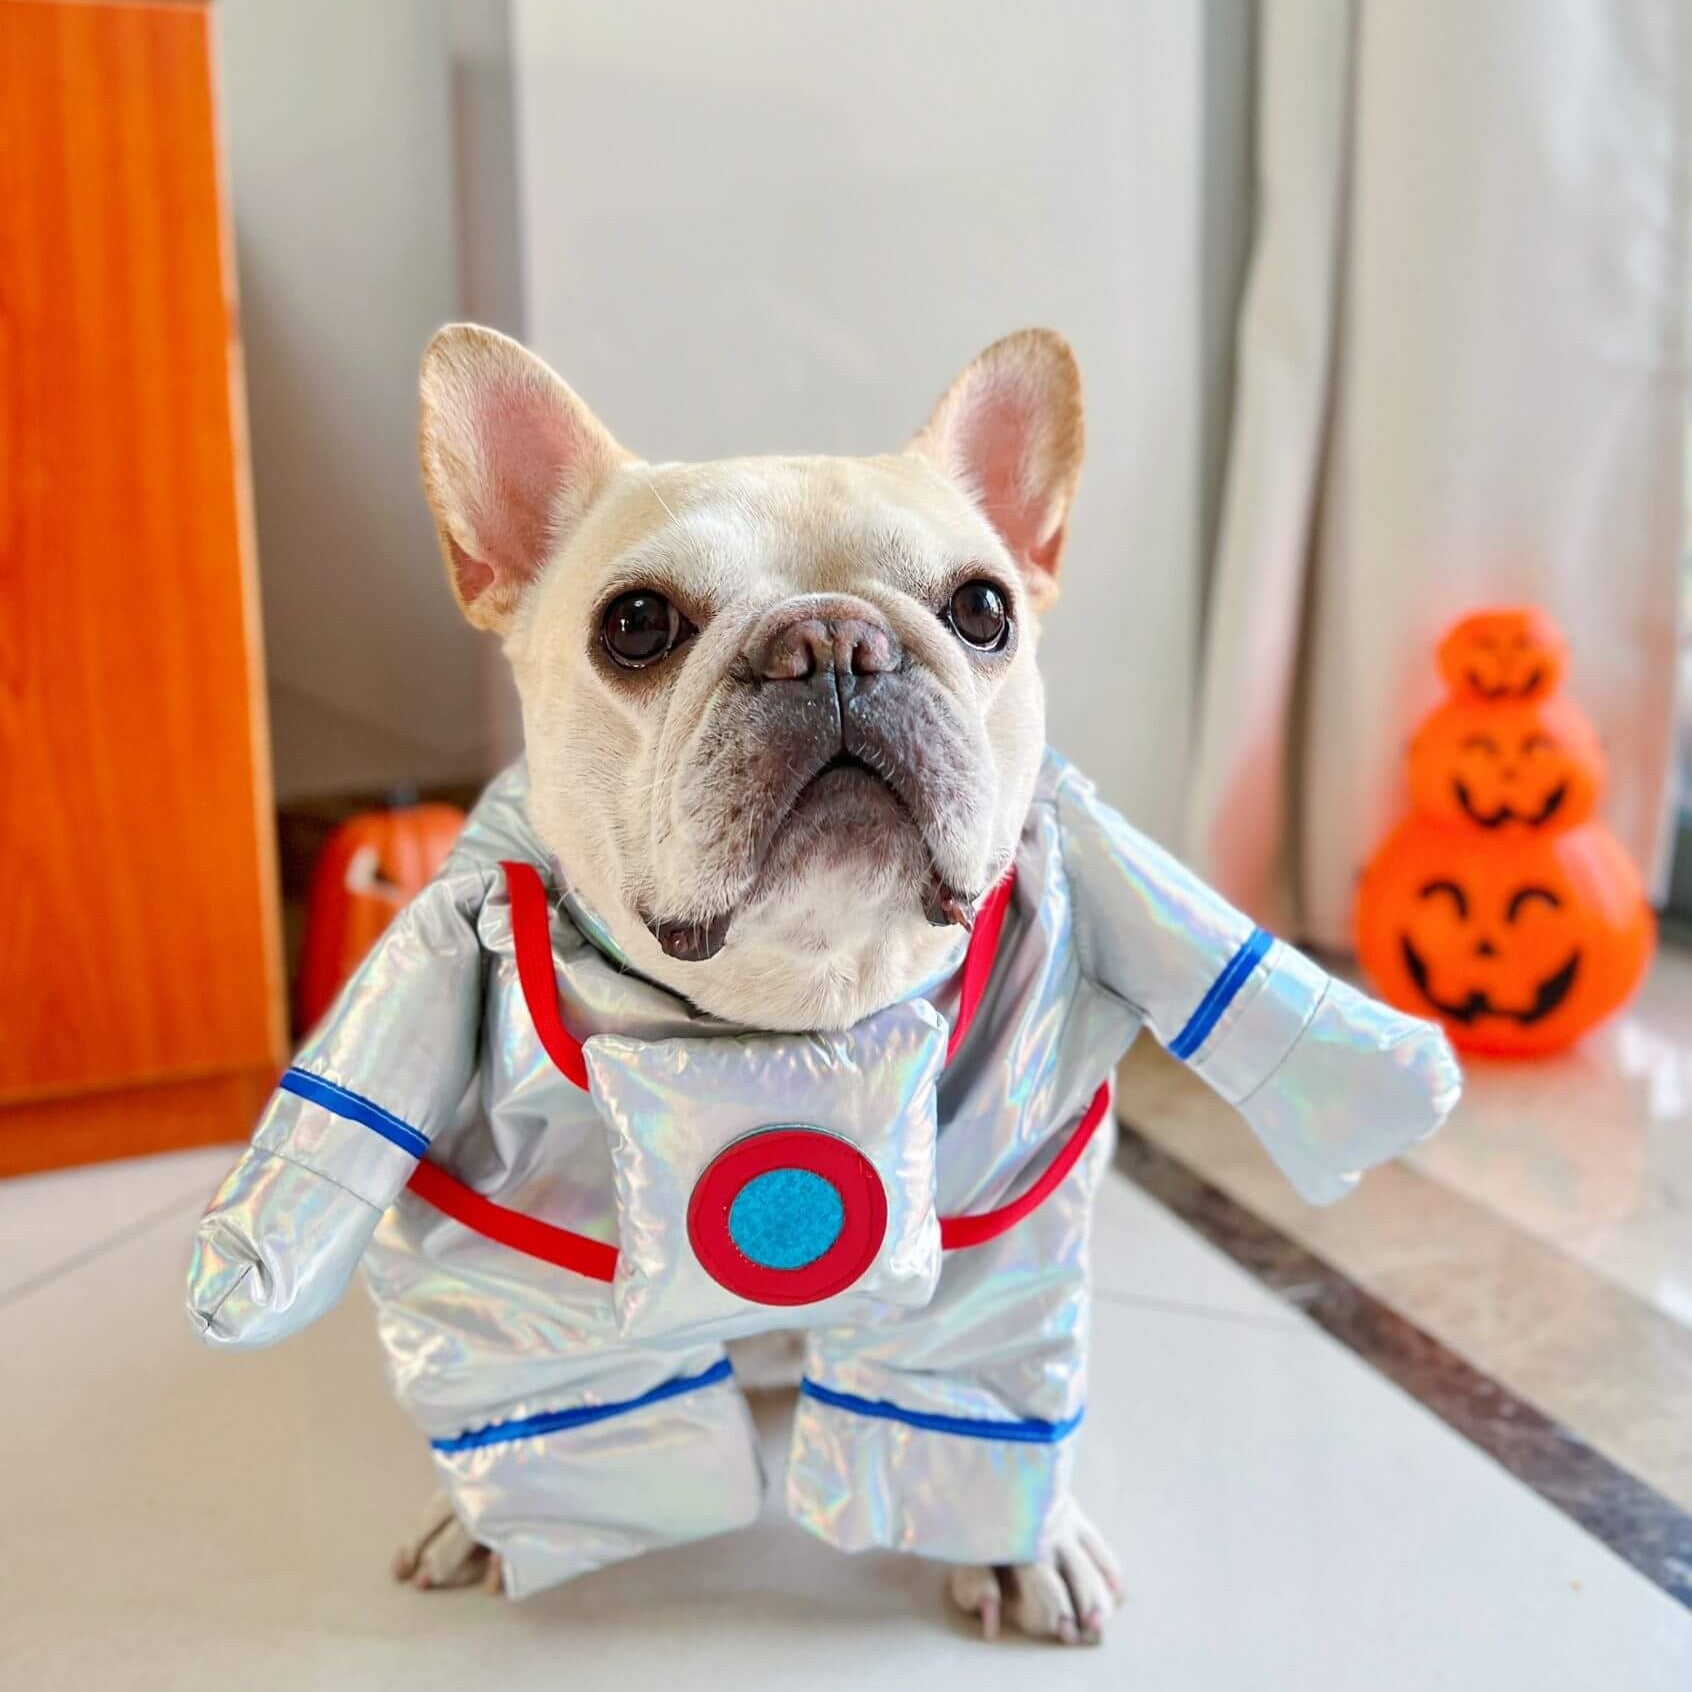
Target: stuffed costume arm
1332, 1082
377, 1080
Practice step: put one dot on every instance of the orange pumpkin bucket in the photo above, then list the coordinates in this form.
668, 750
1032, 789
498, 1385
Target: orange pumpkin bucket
369, 867
1502, 906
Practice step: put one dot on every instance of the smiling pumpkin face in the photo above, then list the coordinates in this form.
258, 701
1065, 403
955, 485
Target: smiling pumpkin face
1504, 654
1515, 947
1520, 764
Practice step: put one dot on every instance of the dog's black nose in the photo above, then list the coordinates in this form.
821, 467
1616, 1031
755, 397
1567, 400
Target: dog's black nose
806, 645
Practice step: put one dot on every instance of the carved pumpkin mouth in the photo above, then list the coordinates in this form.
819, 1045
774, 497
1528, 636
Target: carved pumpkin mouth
1505, 813
1548, 995
1502, 690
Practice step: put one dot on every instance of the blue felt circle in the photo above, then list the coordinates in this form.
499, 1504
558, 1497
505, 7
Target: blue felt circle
786, 1218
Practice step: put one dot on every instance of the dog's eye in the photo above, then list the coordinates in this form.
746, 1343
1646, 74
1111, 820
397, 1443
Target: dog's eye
640, 627
979, 615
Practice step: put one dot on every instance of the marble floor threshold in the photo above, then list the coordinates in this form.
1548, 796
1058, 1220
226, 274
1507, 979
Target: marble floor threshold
1641, 1525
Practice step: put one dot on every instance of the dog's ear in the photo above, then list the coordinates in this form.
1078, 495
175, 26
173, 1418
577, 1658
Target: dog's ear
511, 462
1009, 429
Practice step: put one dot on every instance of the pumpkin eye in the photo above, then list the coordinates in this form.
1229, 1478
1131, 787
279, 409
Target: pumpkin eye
979, 616
1456, 893
1537, 743
641, 627
1525, 895
1484, 741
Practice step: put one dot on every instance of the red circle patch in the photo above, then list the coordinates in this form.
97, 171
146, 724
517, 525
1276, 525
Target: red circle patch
839, 1163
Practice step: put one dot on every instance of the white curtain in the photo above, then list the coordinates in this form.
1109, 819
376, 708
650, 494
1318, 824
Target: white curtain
1461, 381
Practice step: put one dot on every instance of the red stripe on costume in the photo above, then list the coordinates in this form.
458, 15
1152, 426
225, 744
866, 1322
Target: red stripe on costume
978, 961
598, 1261
531, 928
531, 936
959, 1232
558, 1246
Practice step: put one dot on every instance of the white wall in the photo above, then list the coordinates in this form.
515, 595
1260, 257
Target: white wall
490, 252
752, 227
338, 117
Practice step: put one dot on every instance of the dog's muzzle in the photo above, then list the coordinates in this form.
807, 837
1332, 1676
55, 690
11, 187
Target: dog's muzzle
826, 692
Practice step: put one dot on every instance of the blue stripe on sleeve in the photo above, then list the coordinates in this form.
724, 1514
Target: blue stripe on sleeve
1223, 991
343, 1102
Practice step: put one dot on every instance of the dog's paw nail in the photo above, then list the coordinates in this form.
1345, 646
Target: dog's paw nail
1092, 1627
990, 1619
405, 1565
1067, 1630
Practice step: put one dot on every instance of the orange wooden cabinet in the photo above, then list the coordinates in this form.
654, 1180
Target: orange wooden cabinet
140, 990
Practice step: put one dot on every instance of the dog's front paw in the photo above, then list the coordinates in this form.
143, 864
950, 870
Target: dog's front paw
442, 1556
1066, 1596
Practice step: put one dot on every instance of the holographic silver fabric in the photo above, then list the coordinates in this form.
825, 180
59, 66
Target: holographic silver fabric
575, 1422
669, 1107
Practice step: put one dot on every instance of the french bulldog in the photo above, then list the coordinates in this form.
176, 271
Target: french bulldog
686, 1042
783, 718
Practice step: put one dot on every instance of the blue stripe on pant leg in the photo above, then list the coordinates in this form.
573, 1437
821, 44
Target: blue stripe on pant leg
558, 1421
1031, 1431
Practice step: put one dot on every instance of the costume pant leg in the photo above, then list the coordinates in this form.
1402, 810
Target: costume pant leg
561, 1448
559, 1491
950, 1432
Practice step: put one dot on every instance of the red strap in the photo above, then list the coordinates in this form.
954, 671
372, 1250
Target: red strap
959, 1232
531, 929
531, 935
598, 1261
978, 961
558, 1246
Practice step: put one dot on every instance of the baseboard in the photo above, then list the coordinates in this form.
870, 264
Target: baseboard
131, 1122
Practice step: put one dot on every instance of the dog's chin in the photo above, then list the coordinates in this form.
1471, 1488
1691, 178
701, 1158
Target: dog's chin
838, 942
845, 817
833, 927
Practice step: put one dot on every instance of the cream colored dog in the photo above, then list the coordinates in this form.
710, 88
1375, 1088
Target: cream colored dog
788, 858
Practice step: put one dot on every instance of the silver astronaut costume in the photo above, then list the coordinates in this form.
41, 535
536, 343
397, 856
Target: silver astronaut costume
615, 1184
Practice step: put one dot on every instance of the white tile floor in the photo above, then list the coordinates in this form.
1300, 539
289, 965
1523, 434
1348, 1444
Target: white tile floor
47, 1222
178, 1519
1545, 1233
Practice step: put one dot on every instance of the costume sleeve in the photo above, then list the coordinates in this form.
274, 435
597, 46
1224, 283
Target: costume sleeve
1330, 1080
374, 1083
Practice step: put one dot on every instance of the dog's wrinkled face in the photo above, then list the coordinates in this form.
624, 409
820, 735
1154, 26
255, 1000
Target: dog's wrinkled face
782, 715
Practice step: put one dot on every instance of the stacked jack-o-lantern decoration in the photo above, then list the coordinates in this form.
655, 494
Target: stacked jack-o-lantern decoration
1503, 906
